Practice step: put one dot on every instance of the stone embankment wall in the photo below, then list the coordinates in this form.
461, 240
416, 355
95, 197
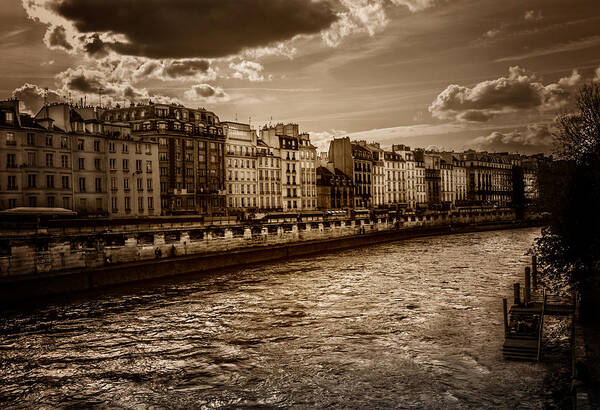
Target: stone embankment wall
67, 249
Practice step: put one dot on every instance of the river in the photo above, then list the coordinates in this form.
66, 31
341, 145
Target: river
408, 324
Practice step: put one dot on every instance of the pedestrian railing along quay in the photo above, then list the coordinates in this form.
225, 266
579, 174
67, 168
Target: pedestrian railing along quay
524, 320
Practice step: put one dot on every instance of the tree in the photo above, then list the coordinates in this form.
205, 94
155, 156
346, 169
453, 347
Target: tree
569, 248
518, 191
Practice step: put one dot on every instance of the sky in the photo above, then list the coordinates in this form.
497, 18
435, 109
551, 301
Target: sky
439, 74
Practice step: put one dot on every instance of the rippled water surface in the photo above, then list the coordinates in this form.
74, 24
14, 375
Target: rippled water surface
416, 323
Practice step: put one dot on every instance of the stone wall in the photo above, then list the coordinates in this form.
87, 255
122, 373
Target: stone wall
44, 253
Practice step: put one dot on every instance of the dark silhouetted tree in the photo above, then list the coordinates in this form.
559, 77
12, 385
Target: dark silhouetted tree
569, 247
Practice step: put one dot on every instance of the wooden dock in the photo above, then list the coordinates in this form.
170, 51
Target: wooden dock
524, 321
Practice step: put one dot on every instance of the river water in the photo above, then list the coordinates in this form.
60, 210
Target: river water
409, 324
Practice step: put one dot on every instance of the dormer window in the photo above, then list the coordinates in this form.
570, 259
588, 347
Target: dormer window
9, 117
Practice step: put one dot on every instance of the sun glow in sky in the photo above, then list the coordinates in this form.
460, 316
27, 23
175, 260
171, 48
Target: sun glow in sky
453, 74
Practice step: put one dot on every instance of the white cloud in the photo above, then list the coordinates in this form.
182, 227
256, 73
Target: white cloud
519, 91
206, 93
250, 70
533, 15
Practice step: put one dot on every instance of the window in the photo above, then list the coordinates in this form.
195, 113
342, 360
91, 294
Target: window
149, 167
98, 163
138, 165
150, 203
97, 145
126, 184
99, 204
11, 161
164, 171
125, 148
81, 184
31, 159
114, 204
125, 165
98, 184
113, 183
64, 161
51, 202
113, 164
49, 140
10, 139
31, 180
111, 146
66, 202
162, 142
12, 182
65, 181
164, 186
163, 156
49, 181
127, 204
64, 142
30, 138
49, 160
81, 163
149, 184
140, 203
140, 184
138, 148
32, 201
9, 117
80, 144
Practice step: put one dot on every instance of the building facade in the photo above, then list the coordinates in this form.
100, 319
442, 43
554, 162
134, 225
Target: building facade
191, 149
241, 166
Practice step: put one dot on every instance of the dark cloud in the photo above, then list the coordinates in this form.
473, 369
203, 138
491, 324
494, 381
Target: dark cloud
519, 91
201, 28
58, 38
85, 81
94, 46
31, 97
84, 84
186, 68
206, 92
535, 138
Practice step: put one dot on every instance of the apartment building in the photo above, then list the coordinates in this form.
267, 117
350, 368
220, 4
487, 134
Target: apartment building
269, 177
241, 166
191, 149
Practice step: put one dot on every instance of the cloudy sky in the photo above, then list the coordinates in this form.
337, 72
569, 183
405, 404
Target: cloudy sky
453, 74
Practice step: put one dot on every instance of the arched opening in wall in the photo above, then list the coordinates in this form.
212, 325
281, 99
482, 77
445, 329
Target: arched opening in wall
109, 240
218, 233
172, 236
5, 248
41, 245
238, 232
145, 238
196, 235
